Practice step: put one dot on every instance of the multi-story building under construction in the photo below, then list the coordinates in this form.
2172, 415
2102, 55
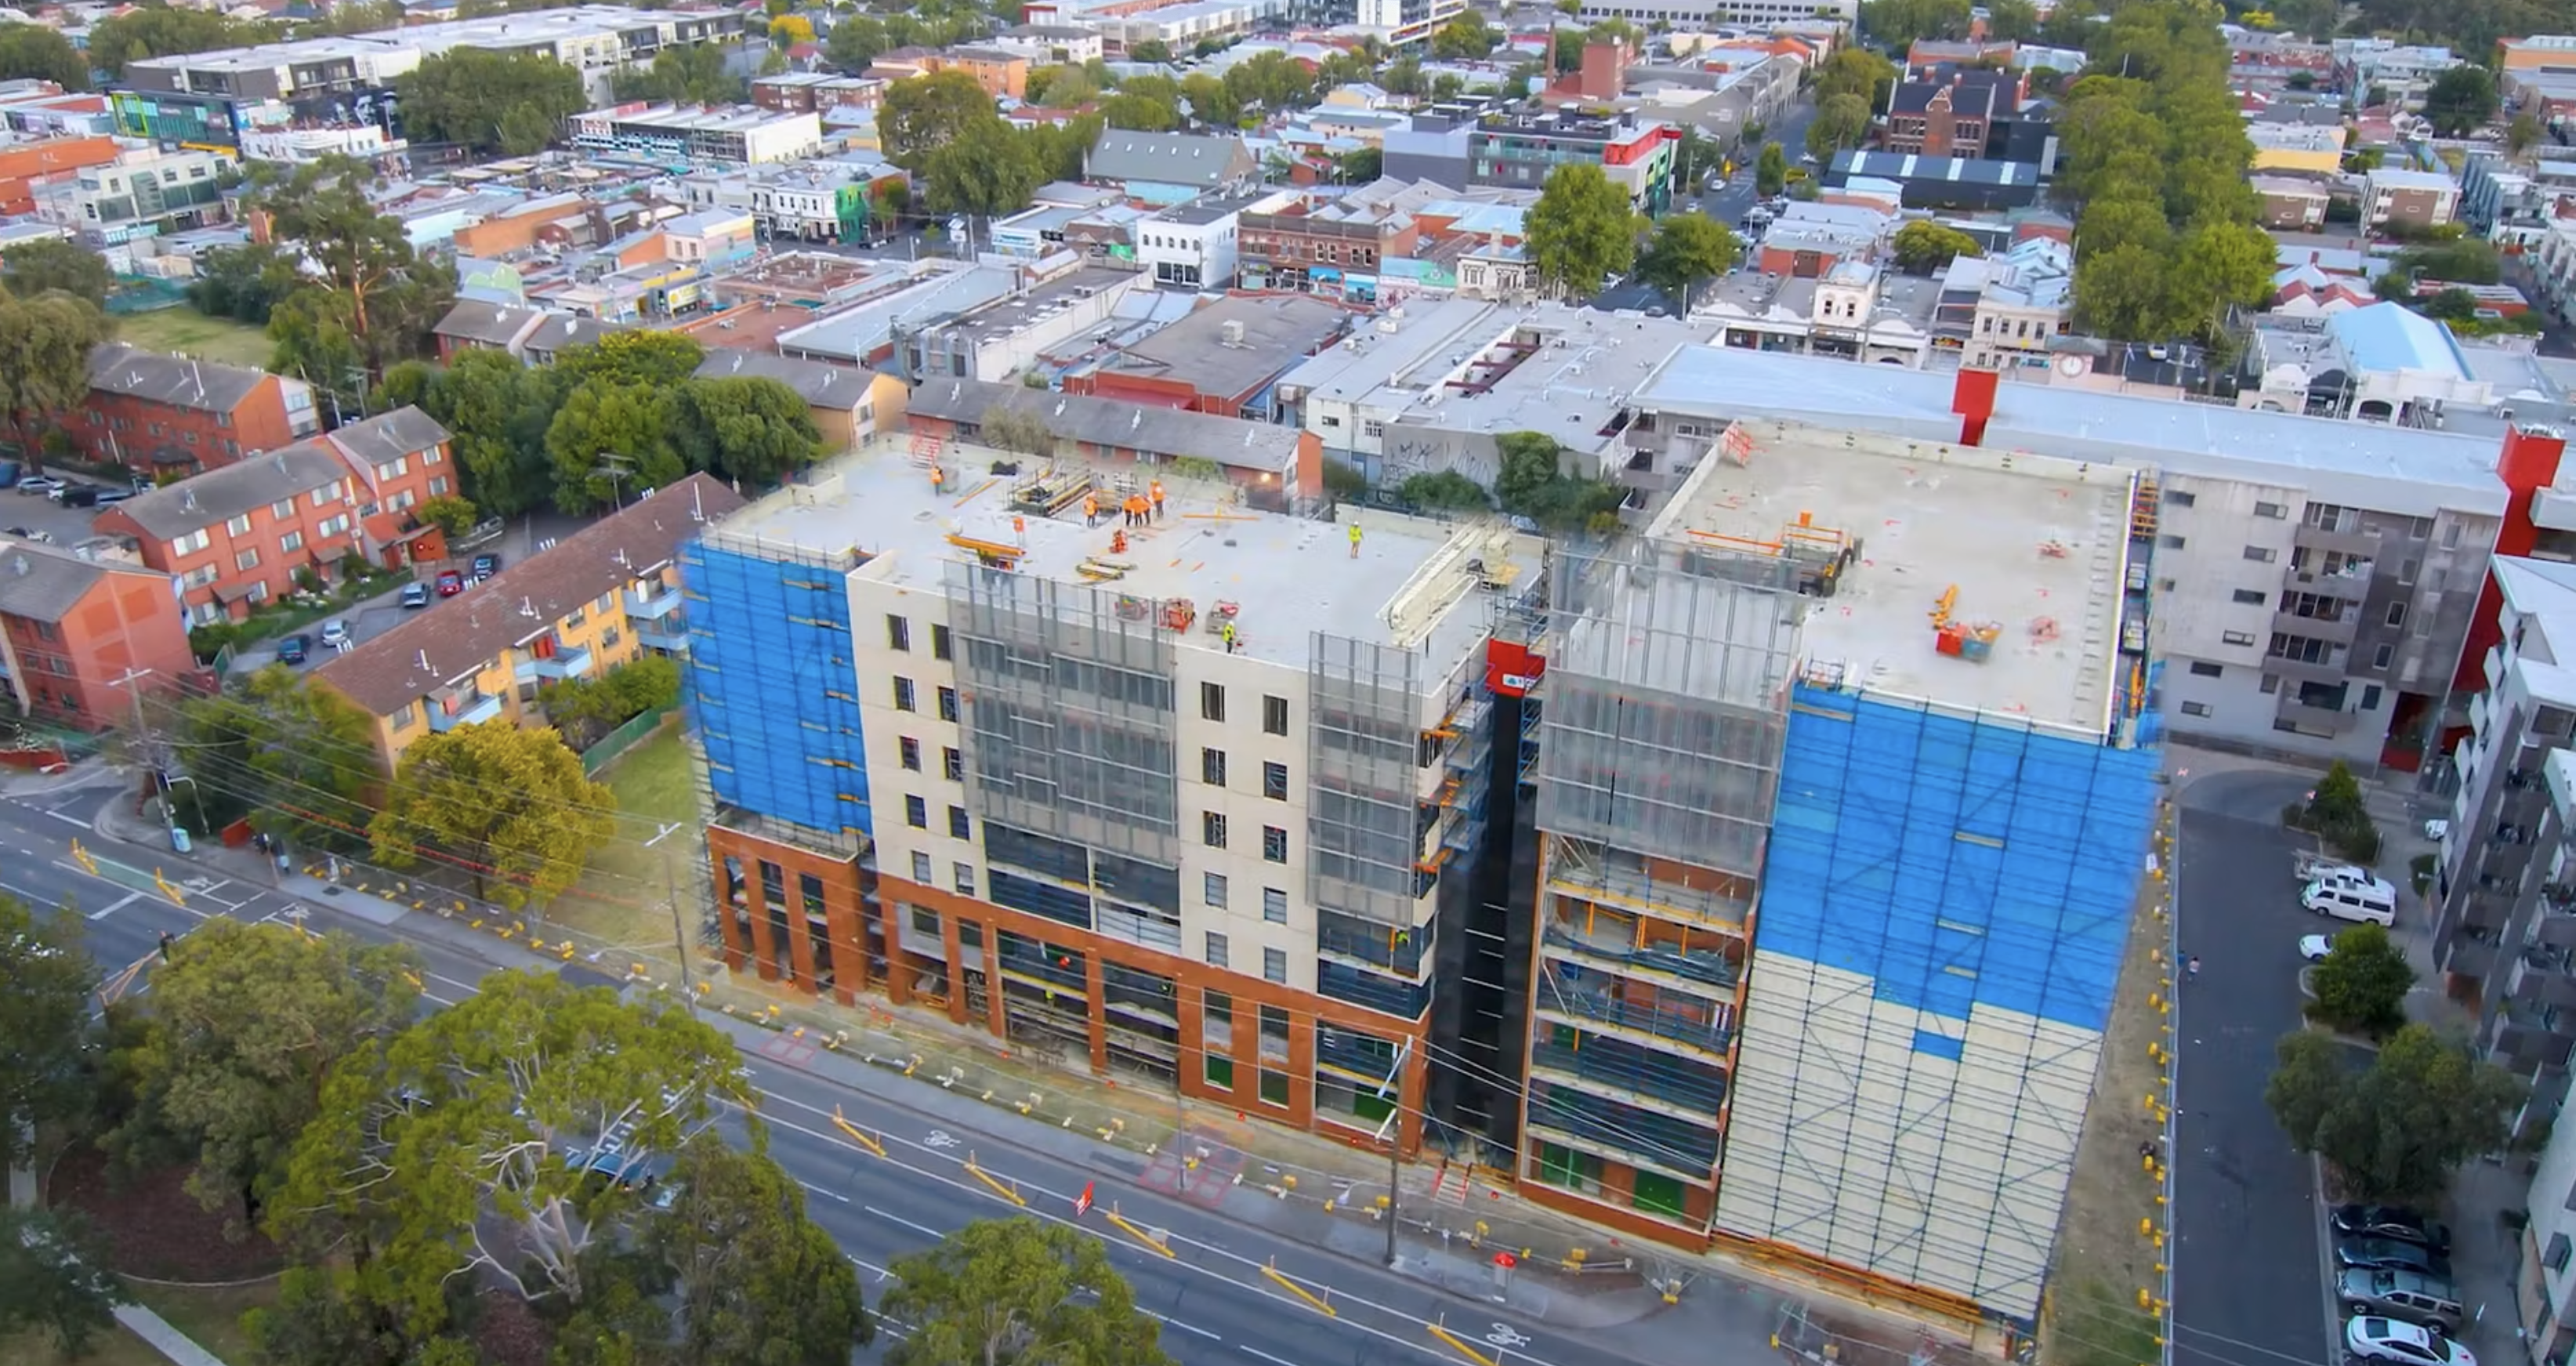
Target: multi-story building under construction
1844, 789
1196, 797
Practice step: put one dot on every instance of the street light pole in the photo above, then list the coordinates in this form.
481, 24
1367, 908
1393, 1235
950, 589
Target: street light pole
143, 739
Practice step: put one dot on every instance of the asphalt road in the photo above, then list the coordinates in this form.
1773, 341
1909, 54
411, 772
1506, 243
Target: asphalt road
1727, 202
2249, 1282
1212, 1291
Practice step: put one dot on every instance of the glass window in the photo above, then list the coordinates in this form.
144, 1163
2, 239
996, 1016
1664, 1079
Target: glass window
1212, 829
910, 750
921, 867
1274, 966
1274, 715
1274, 844
938, 642
1274, 905
1212, 701
947, 704
916, 813
1212, 767
952, 763
1214, 894
903, 694
1274, 781
1216, 950
958, 824
965, 879
898, 632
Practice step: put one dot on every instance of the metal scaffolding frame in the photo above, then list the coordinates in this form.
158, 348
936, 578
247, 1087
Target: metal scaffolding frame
1364, 740
1667, 692
1069, 719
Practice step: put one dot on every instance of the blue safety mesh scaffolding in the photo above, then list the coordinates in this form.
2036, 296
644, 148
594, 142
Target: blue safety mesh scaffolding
768, 687
1956, 860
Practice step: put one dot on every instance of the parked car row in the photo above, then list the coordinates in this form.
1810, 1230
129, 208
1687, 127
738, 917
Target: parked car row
2392, 1279
68, 492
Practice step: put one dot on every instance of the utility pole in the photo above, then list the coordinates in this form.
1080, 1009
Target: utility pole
143, 741
679, 927
615, 469
1393, 1132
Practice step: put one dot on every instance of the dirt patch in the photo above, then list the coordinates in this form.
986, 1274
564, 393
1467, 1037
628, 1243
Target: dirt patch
155, 1228
2091, 1316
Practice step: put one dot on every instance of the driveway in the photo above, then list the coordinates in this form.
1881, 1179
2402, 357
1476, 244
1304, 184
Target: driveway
367, 618
2248, 1281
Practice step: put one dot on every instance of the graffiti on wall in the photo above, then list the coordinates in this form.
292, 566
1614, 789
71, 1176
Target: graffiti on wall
1413, 450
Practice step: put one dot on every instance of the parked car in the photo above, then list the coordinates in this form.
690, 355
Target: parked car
335, 634
2372, 1338
26, 534
39, 483
450, 583
107, 496
2400, 1295
2395, 1222
2387, 1254
294, 649
486, 565
415, 595
76, 495
2315, 947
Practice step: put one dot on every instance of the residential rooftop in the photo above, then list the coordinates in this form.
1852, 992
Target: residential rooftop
1290, 578
504, 32
1231, 346
2397, 469
2035, 548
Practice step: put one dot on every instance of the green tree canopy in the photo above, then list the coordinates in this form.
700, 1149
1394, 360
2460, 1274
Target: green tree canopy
454, 1148
44, 1023
645, 357
160, 31
691, 73
1140, 113
35, 52
2123, 293
1466, 38
756, 1282
1004, 1293
238, 1033
2125, 219
244, 283
361, 253
31, 268
1582, 231
1901, 23
497, 411
44, 356
1924, 246
921, 114
1841, 123
296, 758
1771, 170
609, 441
755, 431
984, 170
1210, 102
1533, 483
1687, 248
512, 804
2362, 983
854, 42
2396, 1130
2012, 21
54, 1279
513, 103
1855, 71
2461, 100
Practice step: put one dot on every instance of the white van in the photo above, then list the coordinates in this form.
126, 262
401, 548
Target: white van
2371, 900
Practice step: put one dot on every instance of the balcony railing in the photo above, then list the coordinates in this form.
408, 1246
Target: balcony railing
2339, 629
670, 633
1705, 968
451, 708
1635, 1075
572, 662
2329, 720
1594, 877
642, 606
1575, 1001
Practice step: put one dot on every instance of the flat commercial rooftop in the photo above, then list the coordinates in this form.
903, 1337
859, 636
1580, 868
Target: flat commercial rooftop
1291, 577
2035, 547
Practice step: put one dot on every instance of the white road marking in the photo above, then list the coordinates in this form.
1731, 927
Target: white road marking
119, 904
1176, 1323
899, 1219
70, 820
818, 1190
1265, 1356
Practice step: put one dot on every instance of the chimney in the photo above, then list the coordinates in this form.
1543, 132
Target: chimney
1973, 399
2528, 464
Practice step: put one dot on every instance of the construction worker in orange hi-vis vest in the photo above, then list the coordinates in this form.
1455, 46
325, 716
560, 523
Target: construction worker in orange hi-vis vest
1156, 493
1090, 509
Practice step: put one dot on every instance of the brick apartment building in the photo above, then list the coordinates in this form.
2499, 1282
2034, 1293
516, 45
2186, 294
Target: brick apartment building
1287, 235
75, 633
1956, 116
1002, 74
234, 537
150, 412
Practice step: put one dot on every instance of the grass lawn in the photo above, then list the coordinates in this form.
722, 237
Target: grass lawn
624, 896
186, 329
115, 1347
210, 1318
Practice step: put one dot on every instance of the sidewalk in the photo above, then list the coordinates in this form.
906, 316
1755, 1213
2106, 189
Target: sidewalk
1294, 1186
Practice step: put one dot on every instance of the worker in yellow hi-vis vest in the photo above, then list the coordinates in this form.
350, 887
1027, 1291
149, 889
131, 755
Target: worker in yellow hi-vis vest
1355, 540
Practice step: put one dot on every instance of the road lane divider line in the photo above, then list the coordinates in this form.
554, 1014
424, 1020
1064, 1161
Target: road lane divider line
1459, 1345
856, 1134
819, 1190
1140, 1235
120, 904
1006, 1192
1265, 1356
1176, 1323
922, 1229
1301, 1292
